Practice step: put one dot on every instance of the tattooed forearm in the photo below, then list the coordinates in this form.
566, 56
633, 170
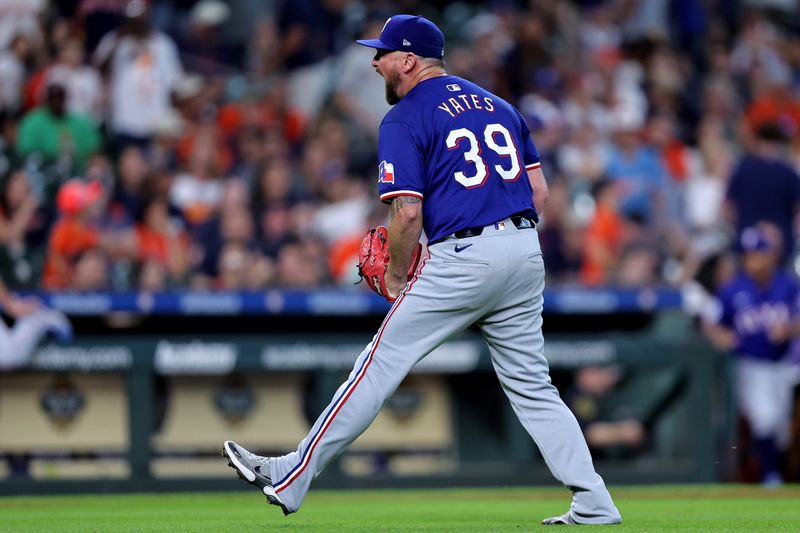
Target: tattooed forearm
400, 201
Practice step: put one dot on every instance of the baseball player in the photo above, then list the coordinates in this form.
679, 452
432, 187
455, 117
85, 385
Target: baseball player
755, 317
458, 162
33, 322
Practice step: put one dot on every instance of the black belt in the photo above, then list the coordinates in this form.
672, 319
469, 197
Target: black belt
519, 221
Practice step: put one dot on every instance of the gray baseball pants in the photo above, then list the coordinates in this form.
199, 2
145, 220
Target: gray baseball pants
495, 280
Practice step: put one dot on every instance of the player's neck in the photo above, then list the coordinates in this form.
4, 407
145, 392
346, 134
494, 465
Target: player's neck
423, 74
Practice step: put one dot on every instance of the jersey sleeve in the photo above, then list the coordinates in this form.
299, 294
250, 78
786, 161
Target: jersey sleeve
401, 171
530, 155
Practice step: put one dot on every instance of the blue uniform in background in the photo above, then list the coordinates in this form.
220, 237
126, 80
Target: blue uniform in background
462, 149
752, 311
763, 378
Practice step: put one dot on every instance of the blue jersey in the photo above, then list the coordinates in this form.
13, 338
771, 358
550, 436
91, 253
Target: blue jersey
463, 150
751, 311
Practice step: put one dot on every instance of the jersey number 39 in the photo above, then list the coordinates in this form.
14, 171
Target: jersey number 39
491, 134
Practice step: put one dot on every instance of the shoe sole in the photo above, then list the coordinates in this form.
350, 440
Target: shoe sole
245, 475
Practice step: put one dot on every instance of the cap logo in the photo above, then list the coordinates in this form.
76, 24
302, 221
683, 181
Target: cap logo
406, 43
386, 24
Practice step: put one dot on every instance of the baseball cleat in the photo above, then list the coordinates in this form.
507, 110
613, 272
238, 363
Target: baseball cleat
563, 520
253, 469
567, 520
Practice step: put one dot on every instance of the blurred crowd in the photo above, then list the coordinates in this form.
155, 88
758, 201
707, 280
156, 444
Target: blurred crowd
232, 145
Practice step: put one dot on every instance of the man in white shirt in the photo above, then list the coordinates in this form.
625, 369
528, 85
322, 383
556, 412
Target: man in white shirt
142, 67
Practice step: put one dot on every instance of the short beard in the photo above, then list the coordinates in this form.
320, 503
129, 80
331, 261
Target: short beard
391, 88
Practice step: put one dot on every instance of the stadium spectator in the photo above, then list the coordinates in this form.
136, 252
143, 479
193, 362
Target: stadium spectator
635, 169
129, 187
358, 92
276, 114
73, 235
160, 241
90, 271
299, 265
163, 152
763, 187
312, 31
706, 185
638, 266
598, 31
667, 80
242, 268
21, 17
202, 49
529, 56
720, 102
276, 186
603, 238
197, 190
274, 228
81, 81
56, 134
584, 158
13, 69
250, 154
233, 223
264, 53
675, 156
23, 232
774, 104
561, 234
755, 55
142, 66
488, 37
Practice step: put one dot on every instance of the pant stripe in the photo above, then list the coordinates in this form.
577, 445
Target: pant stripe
337, 404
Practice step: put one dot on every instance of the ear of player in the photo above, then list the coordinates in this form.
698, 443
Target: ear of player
373, 260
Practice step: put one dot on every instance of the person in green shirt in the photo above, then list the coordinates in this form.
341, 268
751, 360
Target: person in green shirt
55, 133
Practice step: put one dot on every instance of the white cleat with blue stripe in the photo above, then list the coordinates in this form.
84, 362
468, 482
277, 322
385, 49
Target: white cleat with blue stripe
252, 468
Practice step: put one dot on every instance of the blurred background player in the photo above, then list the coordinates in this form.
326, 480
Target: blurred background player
32, 322
755, 317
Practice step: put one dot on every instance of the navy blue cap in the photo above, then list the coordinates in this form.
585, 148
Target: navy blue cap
409, 33
754, 239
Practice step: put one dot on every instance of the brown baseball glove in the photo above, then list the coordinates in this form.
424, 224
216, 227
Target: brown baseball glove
373, 260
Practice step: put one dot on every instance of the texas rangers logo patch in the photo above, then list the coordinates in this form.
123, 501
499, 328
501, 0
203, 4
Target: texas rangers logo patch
385, 172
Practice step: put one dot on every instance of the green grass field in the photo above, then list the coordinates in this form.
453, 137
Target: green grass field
698, 508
